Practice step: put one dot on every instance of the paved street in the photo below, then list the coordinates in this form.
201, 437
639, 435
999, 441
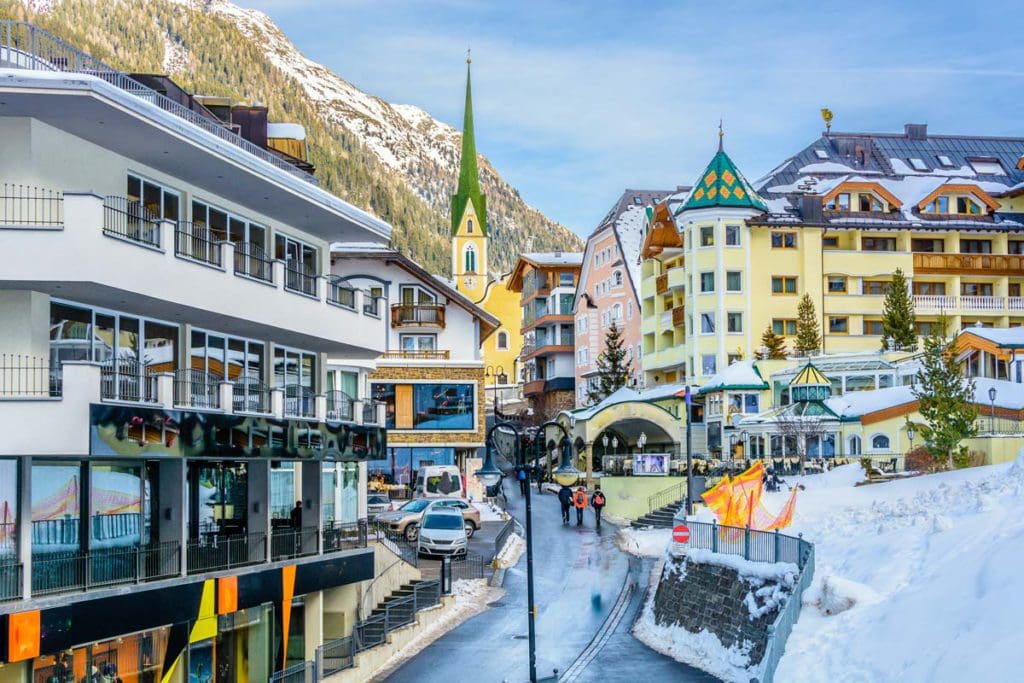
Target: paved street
579, 576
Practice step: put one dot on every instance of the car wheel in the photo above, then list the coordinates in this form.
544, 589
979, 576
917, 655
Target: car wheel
470, 529
412, 532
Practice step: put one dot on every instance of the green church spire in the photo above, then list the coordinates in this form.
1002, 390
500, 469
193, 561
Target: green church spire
469, 180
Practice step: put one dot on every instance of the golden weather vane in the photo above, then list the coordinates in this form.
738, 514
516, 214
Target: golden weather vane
826, 116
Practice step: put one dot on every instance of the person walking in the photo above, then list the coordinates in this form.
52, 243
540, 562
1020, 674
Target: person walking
296, 515
565, 498
579, 499
523, 481
598, 501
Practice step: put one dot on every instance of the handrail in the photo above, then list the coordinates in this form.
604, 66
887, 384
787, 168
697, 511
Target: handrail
665, 496
26, 46
25, 205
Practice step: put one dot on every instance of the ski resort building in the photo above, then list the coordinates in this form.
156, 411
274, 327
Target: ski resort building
167, 310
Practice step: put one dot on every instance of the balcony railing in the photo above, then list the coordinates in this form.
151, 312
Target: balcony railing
339, 406
370, 412
130, 220
61, 572
341, 294
251, 260
214, 551
967, 303
10, 579
678, 316
195, 241
932, 302
340, 536
409, 354
371, 305
988, 264
661, 284
28, 47
125, 379
287, 543
196, 389
428, 315
250, 395
300, 278
982, 303
28, 377
299, 401
25, 206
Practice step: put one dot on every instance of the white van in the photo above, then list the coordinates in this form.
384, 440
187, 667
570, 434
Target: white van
439, 481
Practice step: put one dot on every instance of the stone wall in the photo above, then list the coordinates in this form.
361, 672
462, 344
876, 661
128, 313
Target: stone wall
697, 596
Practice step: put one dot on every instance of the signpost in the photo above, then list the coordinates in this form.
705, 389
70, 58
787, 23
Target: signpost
689, 452
680, 538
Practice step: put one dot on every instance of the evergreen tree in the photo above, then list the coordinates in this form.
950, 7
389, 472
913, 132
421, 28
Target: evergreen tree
898, 316
612, 367
808, 333
946, 399
773, 346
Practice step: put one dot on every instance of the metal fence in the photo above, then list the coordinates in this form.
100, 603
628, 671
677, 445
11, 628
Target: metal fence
72, 570
344, 535
25, 46
287, 543
395, 613
10, 580
28, 377
339, 406
987, 426
129, 219
469, 567
33, 207
250, 395
299, 278
126, 379
304, 672
336, 655
341, 294
370, 412
196, 389
195, 241
213, 552
778, 632
672, 494
252, 261
299, 401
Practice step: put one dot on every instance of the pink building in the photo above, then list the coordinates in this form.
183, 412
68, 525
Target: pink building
609, 287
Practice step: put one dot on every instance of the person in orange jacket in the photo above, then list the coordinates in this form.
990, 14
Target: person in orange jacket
579, 501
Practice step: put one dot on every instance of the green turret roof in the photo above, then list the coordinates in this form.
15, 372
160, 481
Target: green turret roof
469, 180
722, 184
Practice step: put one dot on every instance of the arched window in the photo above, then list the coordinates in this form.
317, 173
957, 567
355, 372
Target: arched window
469, 225
502, 341
853, 445
618, 278
470, 259
879, 442
617, 312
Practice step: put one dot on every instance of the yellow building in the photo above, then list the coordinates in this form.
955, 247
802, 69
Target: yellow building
834, 221
470, 271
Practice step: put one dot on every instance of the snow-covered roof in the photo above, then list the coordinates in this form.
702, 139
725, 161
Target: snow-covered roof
625, 395
857, 403
1012, 337
342, 248
555, 258
740, 375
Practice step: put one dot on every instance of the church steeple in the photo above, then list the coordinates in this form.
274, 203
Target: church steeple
469, 180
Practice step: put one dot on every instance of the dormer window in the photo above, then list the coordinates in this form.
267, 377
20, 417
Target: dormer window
938, 205
869, 202
966, 205
841, 202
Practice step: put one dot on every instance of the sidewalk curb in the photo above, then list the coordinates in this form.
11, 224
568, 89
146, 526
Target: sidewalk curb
497, 579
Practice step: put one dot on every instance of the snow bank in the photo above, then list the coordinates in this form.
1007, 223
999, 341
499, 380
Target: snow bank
917, 579
489, 512
511, 552
760, 571
643, 542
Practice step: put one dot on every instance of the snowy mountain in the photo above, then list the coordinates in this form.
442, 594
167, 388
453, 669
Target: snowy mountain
394, 160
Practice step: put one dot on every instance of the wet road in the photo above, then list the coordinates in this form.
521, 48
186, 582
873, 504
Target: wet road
578, 576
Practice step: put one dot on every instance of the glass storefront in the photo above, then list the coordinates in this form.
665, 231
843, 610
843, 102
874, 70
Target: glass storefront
218, 494
56, 505
431, 407
136, 658
8, 511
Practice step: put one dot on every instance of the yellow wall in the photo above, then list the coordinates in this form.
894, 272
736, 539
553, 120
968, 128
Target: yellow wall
504, 305
997, 449
472, 284
627, 496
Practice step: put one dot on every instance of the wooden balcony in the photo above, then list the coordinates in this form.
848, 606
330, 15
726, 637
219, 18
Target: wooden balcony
661, 284
678, 316
417, 315
400, 354
973, 264
533, 387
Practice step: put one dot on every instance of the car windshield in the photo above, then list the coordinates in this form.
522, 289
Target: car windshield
416, 505
442, 522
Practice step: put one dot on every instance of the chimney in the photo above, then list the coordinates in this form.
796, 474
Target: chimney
810, 208
916, 131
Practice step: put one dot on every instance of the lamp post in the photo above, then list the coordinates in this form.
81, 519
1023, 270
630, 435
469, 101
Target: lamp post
992, 417
732, 446
743, 440
910, 436
642, 441
495, 371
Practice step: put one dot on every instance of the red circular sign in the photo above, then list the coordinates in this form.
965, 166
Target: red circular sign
681, 534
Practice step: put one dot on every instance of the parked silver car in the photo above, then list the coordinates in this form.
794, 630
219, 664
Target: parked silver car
442, 532
377, 503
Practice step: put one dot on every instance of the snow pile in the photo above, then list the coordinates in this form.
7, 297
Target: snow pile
489, 512
511, 552
755, 571
917, 579
643, 542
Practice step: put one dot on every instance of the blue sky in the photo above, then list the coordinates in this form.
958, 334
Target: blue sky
575, 101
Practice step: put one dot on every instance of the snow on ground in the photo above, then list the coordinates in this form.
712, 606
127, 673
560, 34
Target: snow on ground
917, 579
471, 597
643, 542
490, 512
511, 552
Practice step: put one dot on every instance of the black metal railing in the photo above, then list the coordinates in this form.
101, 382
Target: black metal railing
303, 672
130, 220
336, 655
32, 207
371, 305
299, 401
397, 543
214, 551
288, 543
25, 46
126, 379
73, 570
11, 573
341, 294
395, 613
29, 377
666, 496
370, 412
340, 536
300, 278
252, 261
196, 389
339, 406
250, 395
469, 567
195, 241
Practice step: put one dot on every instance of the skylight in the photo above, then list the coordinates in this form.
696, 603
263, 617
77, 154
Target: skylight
821, 154
987, 167
944, 160
918, 165
636, 200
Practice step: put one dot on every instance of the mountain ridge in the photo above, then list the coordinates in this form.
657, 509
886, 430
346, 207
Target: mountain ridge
394, 160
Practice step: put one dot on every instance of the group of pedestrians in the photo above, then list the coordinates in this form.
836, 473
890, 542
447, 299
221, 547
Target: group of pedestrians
578, 499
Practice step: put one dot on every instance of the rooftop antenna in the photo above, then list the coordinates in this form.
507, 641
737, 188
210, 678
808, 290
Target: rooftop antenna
826, 116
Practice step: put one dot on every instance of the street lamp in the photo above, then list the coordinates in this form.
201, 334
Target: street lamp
910, 435
642, 441
495, 371
566, 474
615, 444
992, 400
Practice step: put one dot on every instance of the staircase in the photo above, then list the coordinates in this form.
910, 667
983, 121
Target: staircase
661, 517
397, 610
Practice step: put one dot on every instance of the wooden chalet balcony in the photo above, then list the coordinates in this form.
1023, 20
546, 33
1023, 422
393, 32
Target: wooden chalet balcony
443, 354
661, 284
975, 264
678, 316
417, 315
533, 387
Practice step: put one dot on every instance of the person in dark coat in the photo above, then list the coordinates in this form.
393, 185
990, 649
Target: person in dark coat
565, 498
597, 501
296, 515
523, 480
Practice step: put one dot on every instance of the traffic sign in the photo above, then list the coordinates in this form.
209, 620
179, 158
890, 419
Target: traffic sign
681, 533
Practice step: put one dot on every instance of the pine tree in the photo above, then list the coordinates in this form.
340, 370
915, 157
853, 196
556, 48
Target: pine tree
808, 333
773, 346
612, 367
898, 316
945, 398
